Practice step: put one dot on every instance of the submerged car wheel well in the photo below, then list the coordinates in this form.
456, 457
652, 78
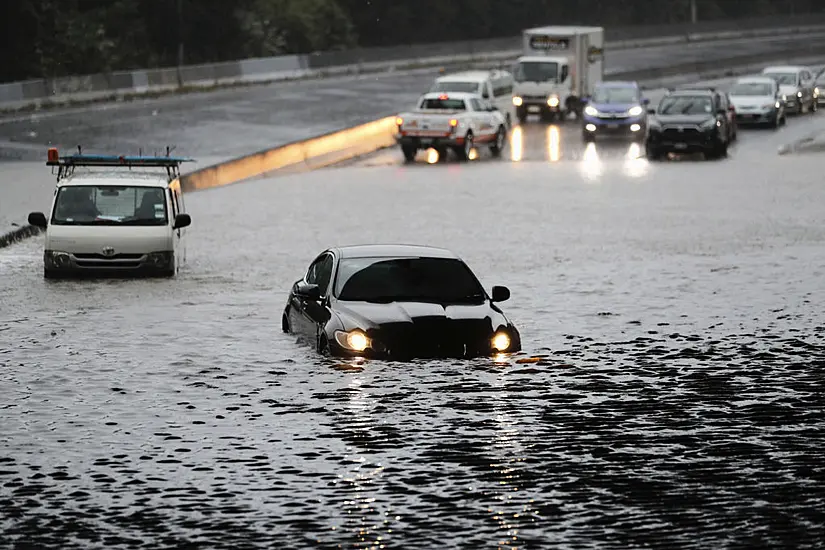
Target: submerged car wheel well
285, 322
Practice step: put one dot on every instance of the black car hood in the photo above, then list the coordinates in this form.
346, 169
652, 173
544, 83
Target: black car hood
684, 119
365, 315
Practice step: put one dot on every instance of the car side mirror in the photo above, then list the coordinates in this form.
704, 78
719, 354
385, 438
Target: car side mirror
645, 101
308, 291
182, 220
38, 219
500, 294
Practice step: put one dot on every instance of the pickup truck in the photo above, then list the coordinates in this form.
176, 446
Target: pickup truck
457, 121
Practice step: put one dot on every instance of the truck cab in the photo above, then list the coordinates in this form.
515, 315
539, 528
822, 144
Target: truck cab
557, 72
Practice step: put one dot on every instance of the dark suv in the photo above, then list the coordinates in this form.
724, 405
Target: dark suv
691, 121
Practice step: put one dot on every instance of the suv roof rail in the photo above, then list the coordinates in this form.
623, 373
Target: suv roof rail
66, 164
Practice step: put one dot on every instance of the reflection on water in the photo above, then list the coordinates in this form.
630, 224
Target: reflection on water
553, 143
432, 156
591, 164
516, 144
635, 164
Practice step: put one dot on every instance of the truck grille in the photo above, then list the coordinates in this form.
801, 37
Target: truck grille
114, 257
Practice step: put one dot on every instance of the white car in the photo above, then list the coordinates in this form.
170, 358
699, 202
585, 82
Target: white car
456, 121
495, 86
116, 216
797, 86
757, 100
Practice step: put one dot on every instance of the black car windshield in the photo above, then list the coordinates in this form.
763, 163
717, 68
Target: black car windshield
444, 104
751, 89
465, 87
783, 78
110, 205
686, 105
436, 280
615, 95
536, 71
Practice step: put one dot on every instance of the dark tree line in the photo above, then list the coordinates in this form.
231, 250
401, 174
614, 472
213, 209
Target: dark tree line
49, 38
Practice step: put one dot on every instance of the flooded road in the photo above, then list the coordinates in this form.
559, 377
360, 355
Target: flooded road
678, 401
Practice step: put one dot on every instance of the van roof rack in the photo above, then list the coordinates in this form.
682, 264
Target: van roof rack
66, 164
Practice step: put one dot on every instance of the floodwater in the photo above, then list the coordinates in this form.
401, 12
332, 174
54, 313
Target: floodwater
676, 308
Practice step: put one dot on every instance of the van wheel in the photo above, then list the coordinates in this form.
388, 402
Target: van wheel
498, 146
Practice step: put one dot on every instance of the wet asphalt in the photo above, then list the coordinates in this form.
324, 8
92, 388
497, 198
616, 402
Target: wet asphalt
676, 308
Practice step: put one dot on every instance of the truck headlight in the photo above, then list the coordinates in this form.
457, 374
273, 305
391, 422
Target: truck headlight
517, 101
553, 101
591, 111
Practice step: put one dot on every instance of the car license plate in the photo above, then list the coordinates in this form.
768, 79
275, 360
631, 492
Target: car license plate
533, 109
613, 126
680, 145
426, 141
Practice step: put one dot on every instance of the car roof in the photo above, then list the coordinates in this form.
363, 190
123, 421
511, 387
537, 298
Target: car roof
617, 84
140, 178
759, 78
784, 68
393, 251
471, 76
542, 58
692, 91
450, 95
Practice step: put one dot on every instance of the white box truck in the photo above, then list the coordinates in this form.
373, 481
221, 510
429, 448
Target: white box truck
559, 69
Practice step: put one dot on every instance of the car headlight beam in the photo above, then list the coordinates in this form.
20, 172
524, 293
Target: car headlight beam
500, 341
354, 340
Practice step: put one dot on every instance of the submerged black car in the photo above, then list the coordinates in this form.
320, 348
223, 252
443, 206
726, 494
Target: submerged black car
691, 121
397, 302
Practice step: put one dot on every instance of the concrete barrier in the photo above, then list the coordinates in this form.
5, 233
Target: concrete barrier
311, 153
39, 94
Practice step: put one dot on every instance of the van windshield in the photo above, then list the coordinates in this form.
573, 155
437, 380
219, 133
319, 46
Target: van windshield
537, 71
110, 205
464, 87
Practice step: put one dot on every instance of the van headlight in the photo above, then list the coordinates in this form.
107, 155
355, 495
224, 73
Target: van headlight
159, 259
517, 101
56, 258
553, 101
354, 340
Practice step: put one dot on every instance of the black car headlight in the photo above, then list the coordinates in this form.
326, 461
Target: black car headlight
501, 341
353, 340
711, 124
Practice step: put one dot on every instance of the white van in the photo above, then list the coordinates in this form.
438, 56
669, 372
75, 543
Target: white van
495, 86
117, 216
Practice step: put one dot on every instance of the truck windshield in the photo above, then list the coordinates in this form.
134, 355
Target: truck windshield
464, 87
445, 104
110, 205
537, 71
615, 94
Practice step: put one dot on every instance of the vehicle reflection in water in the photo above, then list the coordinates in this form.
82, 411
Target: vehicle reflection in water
432, 156
511, 505
473, 154
635, 164
591, 164
516, 144
553, 143
360, 428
